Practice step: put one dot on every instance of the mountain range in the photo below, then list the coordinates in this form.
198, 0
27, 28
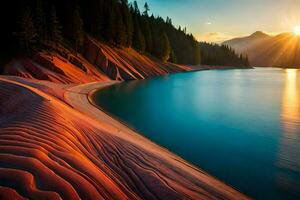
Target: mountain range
282, 50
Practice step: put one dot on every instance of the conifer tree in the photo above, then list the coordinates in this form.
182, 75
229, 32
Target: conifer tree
169, 21
241, 57
27, 33
55, 28
147, 9
136, 8
40, 22
247, 61
146, 30
165, 47
120, 36
129, 29
145, 27
197, 55
78, 32
128, 23
140, 41
173, 58
111, 29
95, 17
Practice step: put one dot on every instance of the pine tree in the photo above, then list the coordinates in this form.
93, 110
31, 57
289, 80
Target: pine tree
173, 58
138, 42
241, 56
96, 17
78, 32
147, 9
27, 33
197, 55
40, 22
136, 8
165, 47
169, 21
129, 29
128, 23
141, 43
111, 30
247, 61
120, 36
55, 28
145, 27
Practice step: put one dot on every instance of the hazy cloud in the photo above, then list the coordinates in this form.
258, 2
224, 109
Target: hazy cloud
213, 37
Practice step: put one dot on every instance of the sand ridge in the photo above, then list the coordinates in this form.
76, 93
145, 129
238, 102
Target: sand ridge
56, 145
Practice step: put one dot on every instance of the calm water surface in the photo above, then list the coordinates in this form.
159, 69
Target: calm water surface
241, 126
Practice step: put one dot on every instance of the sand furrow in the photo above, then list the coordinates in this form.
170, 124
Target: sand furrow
61, 152
10, 194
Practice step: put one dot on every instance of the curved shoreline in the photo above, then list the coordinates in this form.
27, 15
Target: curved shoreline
84, 95
89, 152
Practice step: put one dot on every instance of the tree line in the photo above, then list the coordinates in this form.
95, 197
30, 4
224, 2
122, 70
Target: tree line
32, 25
37, 29
117, 22
214, 54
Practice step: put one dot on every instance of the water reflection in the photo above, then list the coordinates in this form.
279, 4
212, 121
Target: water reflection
289, 154
291, 101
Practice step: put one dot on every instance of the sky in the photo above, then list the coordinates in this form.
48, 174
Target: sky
219, 20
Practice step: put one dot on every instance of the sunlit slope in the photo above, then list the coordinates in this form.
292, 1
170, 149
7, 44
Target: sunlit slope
98, 62
275, 51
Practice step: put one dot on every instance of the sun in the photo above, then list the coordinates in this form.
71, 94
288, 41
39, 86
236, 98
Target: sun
297, 30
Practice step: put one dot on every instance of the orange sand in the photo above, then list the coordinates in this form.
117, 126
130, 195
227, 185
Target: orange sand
54, 144
53, 147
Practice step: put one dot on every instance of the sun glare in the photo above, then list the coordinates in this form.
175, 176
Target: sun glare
297, 30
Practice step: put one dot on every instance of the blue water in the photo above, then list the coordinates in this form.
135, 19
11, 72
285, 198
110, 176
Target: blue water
241, 126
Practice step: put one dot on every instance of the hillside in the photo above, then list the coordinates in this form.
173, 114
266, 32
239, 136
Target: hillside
282, 50
98, 62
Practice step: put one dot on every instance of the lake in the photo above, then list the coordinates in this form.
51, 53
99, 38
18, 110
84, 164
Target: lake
240, 126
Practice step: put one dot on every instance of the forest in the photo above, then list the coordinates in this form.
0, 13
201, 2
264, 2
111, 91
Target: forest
34, 24
214, 54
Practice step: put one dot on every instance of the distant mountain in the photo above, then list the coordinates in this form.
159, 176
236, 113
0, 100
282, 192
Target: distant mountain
282, 50
240, 44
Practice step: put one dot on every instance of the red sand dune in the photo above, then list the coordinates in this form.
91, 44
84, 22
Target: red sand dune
55, 145
49, 150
